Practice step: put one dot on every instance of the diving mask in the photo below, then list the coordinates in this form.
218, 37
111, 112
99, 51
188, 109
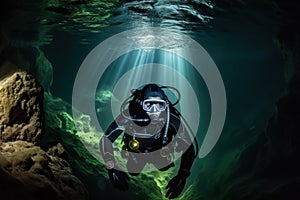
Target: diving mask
154, 105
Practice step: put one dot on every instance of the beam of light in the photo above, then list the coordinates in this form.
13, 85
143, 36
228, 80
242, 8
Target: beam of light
142, 67
129, 50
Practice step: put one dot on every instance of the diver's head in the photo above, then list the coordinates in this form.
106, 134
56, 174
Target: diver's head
153, 101
152, 90
149, 105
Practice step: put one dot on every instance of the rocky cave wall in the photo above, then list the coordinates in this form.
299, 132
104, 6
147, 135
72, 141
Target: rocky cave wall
27, 170
268, 167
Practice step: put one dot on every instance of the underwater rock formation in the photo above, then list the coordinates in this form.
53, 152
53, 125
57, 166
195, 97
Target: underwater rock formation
27, 170
274, 170
267, 168
21, 114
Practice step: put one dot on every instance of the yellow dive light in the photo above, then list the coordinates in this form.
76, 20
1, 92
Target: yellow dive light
134, 144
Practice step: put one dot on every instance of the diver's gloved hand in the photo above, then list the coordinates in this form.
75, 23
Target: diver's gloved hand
176, 184
119, 179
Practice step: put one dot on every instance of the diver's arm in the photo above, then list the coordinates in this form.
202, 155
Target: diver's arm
184, 143
118, 178
186, 162
106, 142
177, 183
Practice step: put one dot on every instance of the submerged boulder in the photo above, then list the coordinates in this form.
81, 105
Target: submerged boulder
28, 171
21, 108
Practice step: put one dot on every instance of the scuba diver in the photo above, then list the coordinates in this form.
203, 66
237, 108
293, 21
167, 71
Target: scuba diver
153, 130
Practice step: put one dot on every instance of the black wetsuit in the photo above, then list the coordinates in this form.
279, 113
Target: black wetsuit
150, 139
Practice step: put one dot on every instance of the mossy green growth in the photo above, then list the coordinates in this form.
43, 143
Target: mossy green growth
81, 141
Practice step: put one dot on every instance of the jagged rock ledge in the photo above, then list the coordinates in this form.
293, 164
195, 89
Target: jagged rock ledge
27, 171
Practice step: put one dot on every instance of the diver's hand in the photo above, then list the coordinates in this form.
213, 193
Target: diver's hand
119, 179
176, 185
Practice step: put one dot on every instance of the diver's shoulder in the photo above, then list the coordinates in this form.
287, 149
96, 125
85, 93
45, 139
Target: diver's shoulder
123, 118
